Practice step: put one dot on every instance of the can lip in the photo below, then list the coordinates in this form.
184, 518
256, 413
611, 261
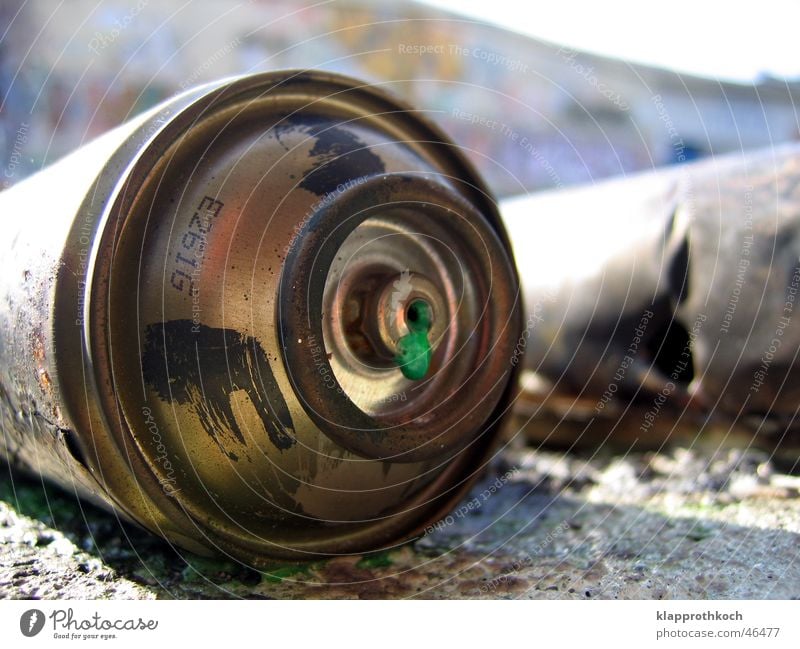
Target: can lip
179, 520
447, 423
92, 408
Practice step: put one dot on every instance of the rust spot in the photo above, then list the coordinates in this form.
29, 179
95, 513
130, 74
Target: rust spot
38, 354
38, 347
44, 379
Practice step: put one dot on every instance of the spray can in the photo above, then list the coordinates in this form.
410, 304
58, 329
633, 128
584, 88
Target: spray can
668, 313
272, 317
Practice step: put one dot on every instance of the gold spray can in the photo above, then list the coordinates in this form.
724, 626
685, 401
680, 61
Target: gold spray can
272, 317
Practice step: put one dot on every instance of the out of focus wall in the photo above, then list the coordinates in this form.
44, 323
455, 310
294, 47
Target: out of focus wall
531, 114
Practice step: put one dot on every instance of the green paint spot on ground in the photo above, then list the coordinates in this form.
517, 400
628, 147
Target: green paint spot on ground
379, 560
699, 533
40, 501
277, 575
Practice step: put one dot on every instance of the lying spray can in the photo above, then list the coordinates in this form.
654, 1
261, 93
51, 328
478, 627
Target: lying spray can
272, 317
669, 312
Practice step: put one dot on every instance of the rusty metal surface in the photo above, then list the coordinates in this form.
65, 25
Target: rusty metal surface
674, 302
188, 373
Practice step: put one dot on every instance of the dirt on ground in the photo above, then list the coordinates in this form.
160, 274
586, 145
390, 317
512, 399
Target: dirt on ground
540, 525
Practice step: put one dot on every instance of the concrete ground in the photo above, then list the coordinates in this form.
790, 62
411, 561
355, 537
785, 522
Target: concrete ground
676, 524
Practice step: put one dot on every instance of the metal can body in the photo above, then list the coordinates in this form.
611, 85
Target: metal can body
671, 314
214, 330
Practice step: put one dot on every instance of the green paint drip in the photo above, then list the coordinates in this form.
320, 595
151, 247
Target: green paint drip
414, 349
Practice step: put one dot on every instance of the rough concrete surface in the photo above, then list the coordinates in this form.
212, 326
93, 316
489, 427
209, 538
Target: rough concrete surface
677, 524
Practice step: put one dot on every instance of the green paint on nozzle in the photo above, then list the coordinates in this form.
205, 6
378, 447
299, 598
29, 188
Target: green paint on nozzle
413, 355
414, 349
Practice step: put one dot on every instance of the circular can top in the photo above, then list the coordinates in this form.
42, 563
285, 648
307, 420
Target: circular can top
303, 314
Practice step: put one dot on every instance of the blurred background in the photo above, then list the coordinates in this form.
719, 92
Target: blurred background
543, 96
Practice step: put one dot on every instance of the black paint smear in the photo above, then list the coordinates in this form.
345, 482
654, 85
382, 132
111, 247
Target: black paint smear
202, 366
338, 154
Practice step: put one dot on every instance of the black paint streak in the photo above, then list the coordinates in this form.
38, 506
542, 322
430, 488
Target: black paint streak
338, 154
202, 367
